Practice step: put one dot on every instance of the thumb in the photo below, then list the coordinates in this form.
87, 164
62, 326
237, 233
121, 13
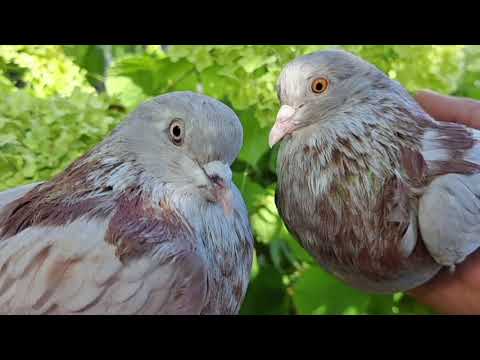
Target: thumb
450, 108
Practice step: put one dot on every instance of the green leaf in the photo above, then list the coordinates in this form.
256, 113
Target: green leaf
256, 138
46, 70
91, 58
8, 139
125, 90
266, 294
317, 292
252, 192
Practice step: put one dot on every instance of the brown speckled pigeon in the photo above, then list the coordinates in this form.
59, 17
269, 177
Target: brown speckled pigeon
381, 194
148, 222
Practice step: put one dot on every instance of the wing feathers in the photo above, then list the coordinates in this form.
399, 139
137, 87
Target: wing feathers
448, 216
71, 269
13, 194
449, 210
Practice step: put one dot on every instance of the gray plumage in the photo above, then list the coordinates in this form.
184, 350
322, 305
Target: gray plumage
148, 222
380, 193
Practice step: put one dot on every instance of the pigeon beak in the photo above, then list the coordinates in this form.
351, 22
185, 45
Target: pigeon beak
283, 125
223, 194
226, 200
219, 188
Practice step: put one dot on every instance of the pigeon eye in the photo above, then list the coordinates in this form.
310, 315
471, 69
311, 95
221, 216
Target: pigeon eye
176, 132
319, 85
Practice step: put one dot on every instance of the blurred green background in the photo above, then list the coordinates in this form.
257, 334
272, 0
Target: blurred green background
56, 102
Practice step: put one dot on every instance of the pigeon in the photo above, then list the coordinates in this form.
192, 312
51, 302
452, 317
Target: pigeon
147, 222
378, 192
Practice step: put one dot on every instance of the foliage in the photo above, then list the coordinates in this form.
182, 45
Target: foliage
51, 114
470, 83
45, 70
39, 137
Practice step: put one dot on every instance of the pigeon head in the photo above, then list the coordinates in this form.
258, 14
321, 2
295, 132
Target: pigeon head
327, 87
185, 140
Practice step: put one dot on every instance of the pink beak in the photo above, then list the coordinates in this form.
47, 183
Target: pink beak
283, 125
226, 200
224, 196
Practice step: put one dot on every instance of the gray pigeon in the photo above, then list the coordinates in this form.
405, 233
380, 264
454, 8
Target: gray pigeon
381, 194
148, 222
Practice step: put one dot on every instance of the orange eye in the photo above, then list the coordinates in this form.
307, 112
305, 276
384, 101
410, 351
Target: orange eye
319, 85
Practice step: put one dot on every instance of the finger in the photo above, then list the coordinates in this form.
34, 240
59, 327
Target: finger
449, 108
456, 293
442, 294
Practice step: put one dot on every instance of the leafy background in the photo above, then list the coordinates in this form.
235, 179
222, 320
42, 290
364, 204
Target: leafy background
59, 101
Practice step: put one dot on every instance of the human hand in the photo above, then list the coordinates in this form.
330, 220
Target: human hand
458, 292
